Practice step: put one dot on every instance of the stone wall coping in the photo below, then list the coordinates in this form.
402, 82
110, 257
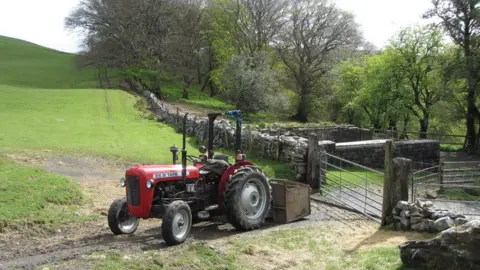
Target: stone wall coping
346, 144
417, 142
325, 142
383, 141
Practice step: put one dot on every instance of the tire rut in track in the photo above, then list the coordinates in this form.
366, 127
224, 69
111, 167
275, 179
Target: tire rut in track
67, 252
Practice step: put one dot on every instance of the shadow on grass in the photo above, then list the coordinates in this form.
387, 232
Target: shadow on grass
382, 236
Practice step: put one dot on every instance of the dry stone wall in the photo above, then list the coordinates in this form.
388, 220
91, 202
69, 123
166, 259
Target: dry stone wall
291, 148
371, 153
337, 134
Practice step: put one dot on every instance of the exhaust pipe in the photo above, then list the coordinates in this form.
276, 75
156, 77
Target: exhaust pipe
184, 149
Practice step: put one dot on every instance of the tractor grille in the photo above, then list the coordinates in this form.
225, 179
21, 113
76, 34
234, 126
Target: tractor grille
133, 191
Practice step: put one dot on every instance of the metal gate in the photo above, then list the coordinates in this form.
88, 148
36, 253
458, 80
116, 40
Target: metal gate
351, 185
450, 186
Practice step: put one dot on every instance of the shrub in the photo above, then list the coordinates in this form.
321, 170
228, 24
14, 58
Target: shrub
252, 85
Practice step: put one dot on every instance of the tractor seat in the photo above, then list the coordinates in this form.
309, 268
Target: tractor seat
217, 166
221, 157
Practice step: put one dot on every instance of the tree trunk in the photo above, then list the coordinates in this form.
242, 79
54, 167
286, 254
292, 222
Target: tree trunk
105, 74
205, 82
471, 113
186, 86
185, 92
199, 72
471, 98
213, 89
392, 125
376, 124
404, 135
302, 109
423, 127
351, 116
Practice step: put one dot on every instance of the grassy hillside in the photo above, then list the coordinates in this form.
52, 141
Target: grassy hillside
30, 65
103, 122
82, 120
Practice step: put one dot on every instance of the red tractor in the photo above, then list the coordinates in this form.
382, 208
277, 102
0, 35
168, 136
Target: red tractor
181, 194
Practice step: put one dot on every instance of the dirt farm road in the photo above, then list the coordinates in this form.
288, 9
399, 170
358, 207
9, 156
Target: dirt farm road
99, 178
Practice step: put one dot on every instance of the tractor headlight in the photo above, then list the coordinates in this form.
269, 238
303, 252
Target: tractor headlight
150, 183
122, 182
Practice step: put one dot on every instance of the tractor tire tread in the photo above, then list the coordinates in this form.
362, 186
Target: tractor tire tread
112, 216
232, 188
167, 221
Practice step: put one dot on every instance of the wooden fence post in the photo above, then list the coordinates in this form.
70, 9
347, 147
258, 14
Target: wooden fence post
388, 188
402, 168
313, 162
395, 186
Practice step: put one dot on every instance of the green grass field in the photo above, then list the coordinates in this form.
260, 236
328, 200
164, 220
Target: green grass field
90, 121
102, 122
354, 177
31, 196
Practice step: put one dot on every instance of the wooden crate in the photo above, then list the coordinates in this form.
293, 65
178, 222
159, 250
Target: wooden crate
291, 201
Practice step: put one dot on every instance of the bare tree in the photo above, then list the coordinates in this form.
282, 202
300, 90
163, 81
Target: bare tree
252, 24
186, 41
308, 43
125, 34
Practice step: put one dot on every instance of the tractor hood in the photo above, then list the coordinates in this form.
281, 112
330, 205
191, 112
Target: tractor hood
162, 172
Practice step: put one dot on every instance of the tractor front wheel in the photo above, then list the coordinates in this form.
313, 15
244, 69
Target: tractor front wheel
119, 219
247, 198
176, 223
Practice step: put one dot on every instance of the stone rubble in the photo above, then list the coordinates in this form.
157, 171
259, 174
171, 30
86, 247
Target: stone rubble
421, 216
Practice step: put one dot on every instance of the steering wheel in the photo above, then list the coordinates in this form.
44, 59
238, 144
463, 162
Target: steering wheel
193, 158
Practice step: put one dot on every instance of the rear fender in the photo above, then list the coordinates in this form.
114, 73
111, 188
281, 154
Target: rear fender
226, 176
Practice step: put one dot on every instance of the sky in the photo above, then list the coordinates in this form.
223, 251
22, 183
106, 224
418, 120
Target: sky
42, 21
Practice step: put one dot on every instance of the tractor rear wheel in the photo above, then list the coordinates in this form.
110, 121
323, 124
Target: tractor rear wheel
119, 219
247, 198
176, 223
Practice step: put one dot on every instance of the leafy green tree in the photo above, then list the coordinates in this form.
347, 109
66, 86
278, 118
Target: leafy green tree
351, 81
418, 56
373, 87
461, 20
